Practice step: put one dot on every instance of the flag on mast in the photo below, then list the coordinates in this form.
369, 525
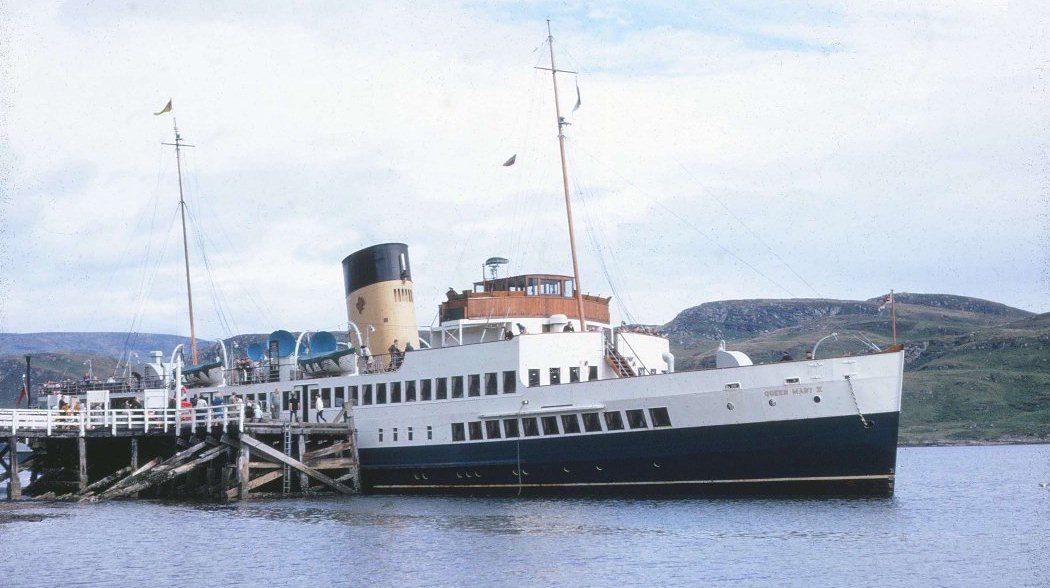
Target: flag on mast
887, 299
578, 101
24, 393
167, 108
510, 161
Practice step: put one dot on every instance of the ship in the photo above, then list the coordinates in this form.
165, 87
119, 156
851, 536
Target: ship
525, 386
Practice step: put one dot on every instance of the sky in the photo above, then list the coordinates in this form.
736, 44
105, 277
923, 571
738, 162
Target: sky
752, 150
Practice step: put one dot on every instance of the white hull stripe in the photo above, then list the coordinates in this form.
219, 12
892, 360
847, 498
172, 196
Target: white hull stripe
670, 482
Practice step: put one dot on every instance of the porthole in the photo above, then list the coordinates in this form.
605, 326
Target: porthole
816, 399
772, 401
730, 406
514, 472
476, 474
599, 468
524, 473
656, 465
416, 476
566, 470
459, 475
425, 476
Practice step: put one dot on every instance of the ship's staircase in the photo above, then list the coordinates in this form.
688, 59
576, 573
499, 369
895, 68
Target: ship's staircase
618, 362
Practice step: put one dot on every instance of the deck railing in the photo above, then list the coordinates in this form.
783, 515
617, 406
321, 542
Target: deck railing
119, 420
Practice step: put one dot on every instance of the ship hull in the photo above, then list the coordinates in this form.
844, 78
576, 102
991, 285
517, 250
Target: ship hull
834, 455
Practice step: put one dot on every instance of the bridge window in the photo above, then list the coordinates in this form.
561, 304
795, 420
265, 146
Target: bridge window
380, 393
570, 424
395, 433
660, 417
592, 373
492, 429
410, 433
395, 392
636, 419
457, 386
424, 390
475, 430
574, 374
534, 378
458, 432
366, 394
555, 376
491, 383
430, 432
550, 425
354, 398
380, 435
340, 396
474, 385
510, 380
529, 427
591, 422
442, 388
613, 421
510, 427
410, 391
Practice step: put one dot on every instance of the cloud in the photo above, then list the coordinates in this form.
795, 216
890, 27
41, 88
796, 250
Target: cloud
725, 153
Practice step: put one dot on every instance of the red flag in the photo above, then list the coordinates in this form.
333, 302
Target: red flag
24, 394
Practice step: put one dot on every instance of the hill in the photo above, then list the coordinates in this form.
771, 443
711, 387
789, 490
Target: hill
975, 370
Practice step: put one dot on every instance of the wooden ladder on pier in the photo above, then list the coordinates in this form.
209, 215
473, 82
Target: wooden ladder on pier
286, 479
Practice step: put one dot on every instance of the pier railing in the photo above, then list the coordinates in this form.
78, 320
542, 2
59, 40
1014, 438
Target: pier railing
115, 421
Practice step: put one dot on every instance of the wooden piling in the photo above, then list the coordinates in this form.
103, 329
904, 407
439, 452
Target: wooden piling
14, 484
82, 475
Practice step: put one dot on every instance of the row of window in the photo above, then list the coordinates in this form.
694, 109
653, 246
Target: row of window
410, 434
554, 375
435, 389
566, 424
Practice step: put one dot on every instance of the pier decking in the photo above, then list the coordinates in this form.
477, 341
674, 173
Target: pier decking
213, 453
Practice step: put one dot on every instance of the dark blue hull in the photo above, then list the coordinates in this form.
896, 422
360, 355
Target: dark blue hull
832, 455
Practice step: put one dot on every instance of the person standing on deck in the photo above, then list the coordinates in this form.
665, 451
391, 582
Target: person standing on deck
293, 408
319, 405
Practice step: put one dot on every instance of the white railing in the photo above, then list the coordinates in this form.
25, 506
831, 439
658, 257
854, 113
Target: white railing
118, 420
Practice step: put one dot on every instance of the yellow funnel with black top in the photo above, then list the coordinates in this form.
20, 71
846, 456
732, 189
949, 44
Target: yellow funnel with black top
379, 298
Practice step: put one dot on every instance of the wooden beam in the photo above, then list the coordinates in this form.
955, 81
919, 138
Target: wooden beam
258, 481
332, 463
14, 486
110, 479
333, 448
266, 450
82, 476
264, 465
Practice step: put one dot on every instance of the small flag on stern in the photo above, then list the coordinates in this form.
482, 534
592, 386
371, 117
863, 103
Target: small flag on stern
887, 299
510, 161
167, 108
24, 394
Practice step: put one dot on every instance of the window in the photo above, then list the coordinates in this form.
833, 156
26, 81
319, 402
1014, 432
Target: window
284, 399
660, 417
474, 385
367, 391
340, 397
570, 424
424, 390
555, 376
380, 393
458, 432
529, 427
380, 435
613, 421
510, 380
534, 378
326, 394
510, 428
492, 429
732, 385
592, 373
491, 383
410, 433
550, 425
395, 433
457, 386
410, 391
354, 398
430, 432
475, 430
395, 392
636, 419
791, 381
442, 388
591, 422
574, 374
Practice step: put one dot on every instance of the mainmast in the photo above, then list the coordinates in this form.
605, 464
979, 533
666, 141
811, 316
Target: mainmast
178, 144
565, 177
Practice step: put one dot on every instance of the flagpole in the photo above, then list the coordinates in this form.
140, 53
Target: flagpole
565, 182
893, 317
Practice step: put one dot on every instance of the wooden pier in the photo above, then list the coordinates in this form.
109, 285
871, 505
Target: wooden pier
211, 453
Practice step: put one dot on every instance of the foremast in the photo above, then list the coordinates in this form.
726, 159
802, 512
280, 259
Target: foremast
565, 176
178, 144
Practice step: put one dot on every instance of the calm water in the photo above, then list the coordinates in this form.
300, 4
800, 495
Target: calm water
964, 516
